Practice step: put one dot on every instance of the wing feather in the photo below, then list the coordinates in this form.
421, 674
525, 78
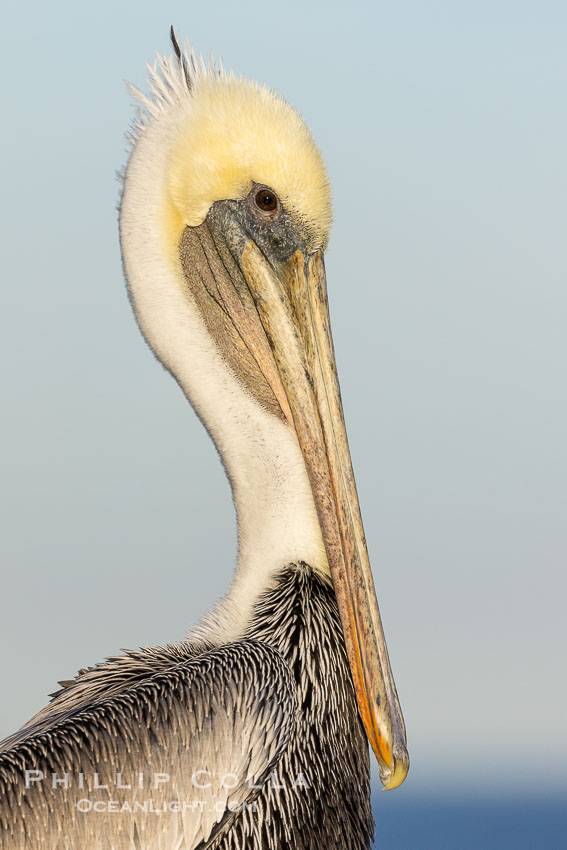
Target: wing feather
165, 758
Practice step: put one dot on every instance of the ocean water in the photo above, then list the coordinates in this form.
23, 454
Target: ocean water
450, 823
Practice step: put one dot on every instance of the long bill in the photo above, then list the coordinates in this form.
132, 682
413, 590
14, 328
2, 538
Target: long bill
292, 304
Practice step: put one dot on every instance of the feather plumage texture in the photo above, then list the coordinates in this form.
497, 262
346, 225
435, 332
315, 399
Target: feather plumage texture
225, 132
280, 699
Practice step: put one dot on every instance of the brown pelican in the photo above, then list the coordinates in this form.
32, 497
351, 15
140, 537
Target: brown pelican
252, 732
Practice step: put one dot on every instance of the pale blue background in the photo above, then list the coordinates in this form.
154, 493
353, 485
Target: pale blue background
444, 127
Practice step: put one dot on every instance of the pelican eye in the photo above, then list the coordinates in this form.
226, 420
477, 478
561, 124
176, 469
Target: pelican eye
266, 200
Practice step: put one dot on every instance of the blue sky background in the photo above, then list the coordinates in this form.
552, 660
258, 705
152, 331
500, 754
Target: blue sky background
445, 131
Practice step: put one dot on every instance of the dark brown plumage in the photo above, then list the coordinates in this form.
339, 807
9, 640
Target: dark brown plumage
282, 697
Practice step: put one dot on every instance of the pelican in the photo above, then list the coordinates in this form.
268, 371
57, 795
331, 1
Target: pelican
253, 731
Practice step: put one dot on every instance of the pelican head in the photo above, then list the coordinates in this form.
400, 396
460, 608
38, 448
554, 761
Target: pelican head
225, 218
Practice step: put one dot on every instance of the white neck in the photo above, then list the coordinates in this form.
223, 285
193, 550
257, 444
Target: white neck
277, 520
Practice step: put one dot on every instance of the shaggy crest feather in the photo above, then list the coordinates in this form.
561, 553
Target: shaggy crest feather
225, 133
